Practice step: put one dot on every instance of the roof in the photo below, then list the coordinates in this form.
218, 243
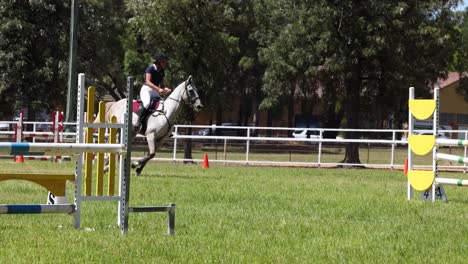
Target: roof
452, 77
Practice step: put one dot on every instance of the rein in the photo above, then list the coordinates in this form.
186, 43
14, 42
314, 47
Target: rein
192, 100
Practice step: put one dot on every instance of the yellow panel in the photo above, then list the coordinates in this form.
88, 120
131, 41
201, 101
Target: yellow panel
421, 144
421, 180
422, 109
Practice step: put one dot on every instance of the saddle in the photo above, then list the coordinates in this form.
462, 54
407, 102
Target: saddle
153, 107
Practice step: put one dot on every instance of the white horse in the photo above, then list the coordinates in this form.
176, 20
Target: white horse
159, 124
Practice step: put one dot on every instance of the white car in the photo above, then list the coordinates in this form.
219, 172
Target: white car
440, 134
305, 134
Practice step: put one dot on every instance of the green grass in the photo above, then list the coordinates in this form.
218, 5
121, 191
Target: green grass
239, 214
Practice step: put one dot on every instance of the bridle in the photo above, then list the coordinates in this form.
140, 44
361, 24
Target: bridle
191, 100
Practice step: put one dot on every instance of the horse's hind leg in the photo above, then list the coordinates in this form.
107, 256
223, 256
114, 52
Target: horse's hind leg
141, 163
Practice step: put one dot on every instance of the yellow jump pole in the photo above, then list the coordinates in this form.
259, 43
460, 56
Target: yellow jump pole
111, 174
100, 156
89, 139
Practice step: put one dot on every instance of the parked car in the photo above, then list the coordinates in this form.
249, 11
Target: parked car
225, 131
305, 133
440, 134
202, 132
4, 126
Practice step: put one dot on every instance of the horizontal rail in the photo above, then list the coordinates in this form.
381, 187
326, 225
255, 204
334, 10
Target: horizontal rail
103, 125
37, 209
100, 198
459, 159
452, 142
36, 176
57, 148
317, 140
458, 182
150, 209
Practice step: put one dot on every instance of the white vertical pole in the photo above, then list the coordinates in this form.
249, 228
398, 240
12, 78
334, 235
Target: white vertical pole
319, 160
464, 152
247, 147
435, 130
174, 153
79, 139
410, 153
126, 163
392, 159
56, 132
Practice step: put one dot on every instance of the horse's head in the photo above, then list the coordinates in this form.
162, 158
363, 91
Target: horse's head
191, 95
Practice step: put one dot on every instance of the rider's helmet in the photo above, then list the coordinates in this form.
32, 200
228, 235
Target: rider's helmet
160, 56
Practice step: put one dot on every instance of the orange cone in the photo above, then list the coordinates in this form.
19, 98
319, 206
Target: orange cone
19, 159
405, 169
206, 164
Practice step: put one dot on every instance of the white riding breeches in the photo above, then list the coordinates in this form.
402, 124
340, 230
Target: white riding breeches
146, 93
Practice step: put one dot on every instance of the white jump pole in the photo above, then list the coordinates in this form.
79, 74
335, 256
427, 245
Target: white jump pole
448, 181
452, 142
459, 159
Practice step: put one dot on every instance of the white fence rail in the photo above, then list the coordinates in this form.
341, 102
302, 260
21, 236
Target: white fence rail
272, 146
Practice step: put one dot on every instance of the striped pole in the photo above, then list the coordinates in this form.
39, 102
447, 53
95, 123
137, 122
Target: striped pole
57, 148
89, 139
452, 142
458, 182
36, 209
459, 159
100, 156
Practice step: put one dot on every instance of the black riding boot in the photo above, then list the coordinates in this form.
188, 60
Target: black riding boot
142, 114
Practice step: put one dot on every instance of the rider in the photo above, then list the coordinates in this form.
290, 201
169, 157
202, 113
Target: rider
151, 91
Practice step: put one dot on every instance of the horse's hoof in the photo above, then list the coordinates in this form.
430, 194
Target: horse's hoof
135, 164
106, 169
138, 171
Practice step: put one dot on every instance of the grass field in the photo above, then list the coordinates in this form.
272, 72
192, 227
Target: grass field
240, 214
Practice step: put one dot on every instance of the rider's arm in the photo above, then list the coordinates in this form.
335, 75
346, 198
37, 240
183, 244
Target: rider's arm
152, 85
166, 89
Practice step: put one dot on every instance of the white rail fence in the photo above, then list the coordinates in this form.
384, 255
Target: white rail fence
274, 146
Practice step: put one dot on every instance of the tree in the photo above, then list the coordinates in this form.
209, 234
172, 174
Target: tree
101, 51
192, 32
374, 49
460, 63
33, 54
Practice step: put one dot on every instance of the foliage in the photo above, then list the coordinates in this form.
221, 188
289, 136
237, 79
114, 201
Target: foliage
350, 60
374, 50
102, 26
33, 57
461, 55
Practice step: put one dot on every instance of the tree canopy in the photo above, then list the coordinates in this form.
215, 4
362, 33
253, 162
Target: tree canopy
353, 59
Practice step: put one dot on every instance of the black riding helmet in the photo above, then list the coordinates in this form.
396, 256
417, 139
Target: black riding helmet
158, 57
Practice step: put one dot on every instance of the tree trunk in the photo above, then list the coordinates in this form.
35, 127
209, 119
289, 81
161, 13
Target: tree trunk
269, 122
353, 86
188, 148
331, 117
291, 102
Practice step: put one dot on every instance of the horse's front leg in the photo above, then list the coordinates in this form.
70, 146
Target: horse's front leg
141, 163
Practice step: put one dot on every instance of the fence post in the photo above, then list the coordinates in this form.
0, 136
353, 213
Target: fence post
392, 160
465, 148
247, 147
174, 153
320, 148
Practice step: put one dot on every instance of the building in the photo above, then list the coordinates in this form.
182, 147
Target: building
453, 107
